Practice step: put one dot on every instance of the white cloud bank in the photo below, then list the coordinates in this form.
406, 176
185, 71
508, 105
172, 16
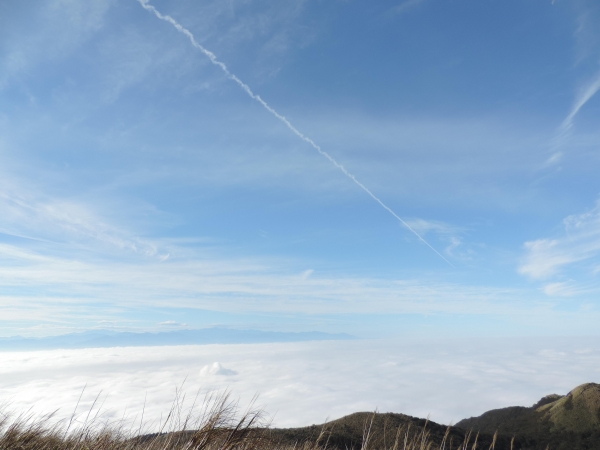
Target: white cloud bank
305, 383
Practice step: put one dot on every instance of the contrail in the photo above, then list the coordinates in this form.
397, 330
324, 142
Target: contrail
148, 7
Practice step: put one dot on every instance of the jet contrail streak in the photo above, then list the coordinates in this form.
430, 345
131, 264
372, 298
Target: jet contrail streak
146, 5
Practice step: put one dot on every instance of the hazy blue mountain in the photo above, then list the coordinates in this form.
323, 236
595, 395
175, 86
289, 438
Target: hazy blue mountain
107, 338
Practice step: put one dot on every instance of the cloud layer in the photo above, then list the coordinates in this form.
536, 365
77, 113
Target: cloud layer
305, 383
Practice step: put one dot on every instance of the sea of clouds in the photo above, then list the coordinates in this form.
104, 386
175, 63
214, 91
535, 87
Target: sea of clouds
302, 383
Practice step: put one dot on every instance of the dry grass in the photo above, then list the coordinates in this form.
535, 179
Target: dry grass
215, 424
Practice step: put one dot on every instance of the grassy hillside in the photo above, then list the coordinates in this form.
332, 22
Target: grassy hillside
218, 428
217, 425
578, 411
570, 422
380, 431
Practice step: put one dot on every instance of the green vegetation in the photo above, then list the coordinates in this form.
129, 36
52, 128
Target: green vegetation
568, 422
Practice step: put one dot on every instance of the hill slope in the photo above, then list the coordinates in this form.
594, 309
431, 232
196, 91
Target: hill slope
556, 422
569, 422
348, 432
565, 422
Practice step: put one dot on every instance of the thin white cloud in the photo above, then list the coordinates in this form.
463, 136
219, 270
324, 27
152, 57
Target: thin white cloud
57, 30
588, 41
564, 132
54, 30
406, 159
306, 274
449, 234
586, 33
580, 243
172, 324
561, 289
58, 284
585, 95
455, 243
231, 285
82, 258
270, 29
305, 383
76, 256
424, 226
405, 6
29, 214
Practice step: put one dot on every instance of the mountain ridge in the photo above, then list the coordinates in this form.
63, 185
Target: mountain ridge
200, 336
578, 411
556, 422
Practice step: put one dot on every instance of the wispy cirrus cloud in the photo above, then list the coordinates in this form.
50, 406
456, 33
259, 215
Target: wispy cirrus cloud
71, 256
214, 283
579, 244
403, 7
451, 235
426, 226
57, 28
588, 47
564, 289
586, 93
32, 215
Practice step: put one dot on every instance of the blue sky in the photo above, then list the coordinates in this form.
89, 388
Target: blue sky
141, 189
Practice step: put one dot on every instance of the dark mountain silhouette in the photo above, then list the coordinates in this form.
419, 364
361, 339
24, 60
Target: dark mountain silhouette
568, 422
556, 422
382, 429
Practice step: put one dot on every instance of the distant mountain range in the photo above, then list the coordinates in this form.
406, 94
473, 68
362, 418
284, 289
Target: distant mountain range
108, 338
556, 422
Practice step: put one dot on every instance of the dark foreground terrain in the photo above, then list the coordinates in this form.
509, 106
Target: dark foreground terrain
569, 422
558, 422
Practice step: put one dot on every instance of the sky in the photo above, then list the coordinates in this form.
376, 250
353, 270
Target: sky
416, 168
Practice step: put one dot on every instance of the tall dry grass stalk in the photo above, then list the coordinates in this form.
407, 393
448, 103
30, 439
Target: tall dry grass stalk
214, 424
